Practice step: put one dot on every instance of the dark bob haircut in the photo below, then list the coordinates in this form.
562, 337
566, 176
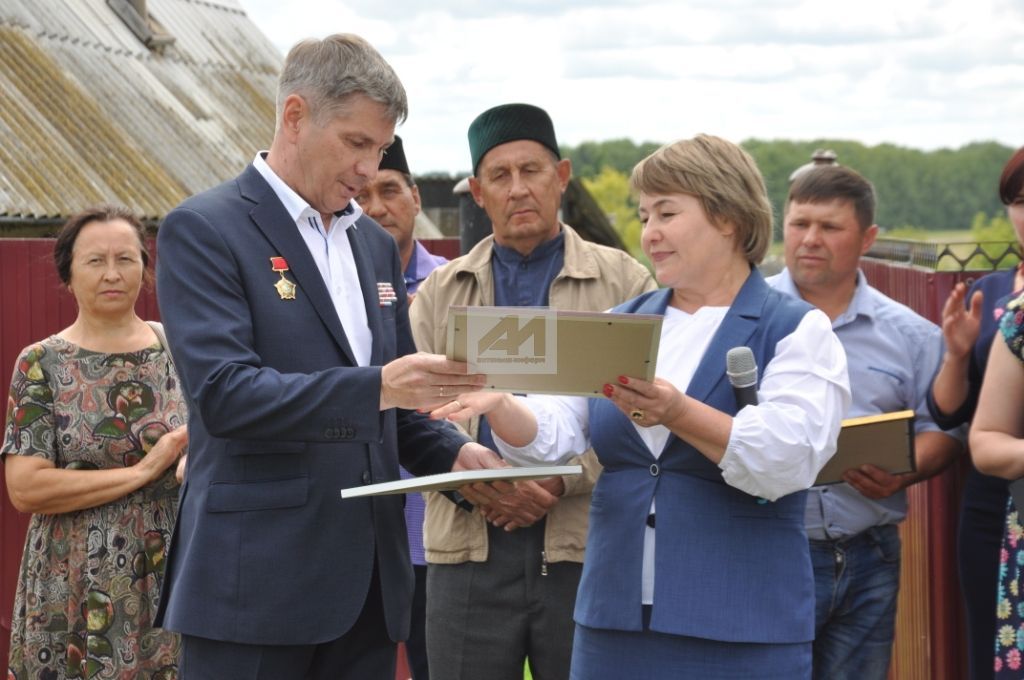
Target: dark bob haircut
1012, 179
64, 248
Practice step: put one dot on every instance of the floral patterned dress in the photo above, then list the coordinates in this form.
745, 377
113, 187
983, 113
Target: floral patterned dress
90, 579
1009, 599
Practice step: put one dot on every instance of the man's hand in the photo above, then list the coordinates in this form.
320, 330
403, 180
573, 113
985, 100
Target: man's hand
425, 381
474, 456
874, 482
523, 503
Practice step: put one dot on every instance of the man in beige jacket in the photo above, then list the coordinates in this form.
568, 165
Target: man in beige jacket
501, 580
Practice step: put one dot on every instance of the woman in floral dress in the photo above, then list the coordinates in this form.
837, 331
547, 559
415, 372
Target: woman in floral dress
94, 429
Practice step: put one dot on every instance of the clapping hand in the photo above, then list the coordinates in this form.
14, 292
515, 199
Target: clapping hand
961, 325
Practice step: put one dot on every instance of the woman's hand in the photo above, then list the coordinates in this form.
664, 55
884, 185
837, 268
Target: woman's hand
469, 405
36, 485
179, 471
164, 454
961, 325
647, 403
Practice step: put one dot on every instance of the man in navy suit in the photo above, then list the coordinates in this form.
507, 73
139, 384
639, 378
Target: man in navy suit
287, 314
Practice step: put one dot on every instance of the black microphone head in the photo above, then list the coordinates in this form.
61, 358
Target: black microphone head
741, 367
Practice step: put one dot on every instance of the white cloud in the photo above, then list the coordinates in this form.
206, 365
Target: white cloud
919, 73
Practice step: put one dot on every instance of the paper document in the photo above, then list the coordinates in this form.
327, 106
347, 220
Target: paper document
449, 481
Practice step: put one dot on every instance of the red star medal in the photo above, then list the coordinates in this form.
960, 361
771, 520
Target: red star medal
285, 288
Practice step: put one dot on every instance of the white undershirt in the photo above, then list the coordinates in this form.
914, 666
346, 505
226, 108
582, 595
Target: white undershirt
332, 252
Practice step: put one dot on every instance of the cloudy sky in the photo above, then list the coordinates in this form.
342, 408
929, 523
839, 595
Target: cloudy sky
920, 73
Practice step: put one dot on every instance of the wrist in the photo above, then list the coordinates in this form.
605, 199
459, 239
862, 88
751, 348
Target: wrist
956, 359
679, 410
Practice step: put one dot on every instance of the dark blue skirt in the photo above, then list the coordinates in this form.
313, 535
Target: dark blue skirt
616, 654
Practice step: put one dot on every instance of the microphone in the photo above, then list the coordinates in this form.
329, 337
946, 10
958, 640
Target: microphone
742, 371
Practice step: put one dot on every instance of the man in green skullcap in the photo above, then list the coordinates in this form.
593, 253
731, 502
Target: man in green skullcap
501, 580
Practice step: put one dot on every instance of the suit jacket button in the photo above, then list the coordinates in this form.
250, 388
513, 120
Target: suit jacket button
367, 477
655, 470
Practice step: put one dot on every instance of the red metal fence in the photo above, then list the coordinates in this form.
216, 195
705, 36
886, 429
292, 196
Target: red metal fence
930, 637
929, 641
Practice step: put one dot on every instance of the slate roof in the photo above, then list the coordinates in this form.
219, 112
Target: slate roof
88, 113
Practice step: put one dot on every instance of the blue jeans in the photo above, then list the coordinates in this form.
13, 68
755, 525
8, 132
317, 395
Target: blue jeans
856, 581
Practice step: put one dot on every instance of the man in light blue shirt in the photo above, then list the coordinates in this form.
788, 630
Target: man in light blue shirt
892, 354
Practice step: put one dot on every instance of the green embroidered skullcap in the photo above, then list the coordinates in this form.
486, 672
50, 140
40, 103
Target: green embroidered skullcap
508, 123
394, 158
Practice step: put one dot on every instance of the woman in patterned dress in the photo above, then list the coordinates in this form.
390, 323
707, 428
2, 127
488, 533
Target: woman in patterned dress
95, 425
997, 448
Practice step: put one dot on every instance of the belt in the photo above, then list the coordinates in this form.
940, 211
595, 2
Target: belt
650, 520
874, 534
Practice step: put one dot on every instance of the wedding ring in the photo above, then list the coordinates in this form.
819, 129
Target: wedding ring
636, 414
459, 404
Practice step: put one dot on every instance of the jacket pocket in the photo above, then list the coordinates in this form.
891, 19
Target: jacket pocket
245, 447
262, 495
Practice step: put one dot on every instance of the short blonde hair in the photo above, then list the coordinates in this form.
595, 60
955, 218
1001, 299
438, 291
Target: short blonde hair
723, 177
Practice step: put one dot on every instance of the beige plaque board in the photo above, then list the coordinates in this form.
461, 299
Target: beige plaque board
885, 440
542, 351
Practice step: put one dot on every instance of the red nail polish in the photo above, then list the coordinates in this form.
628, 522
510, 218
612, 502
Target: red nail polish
608, 390
624, 380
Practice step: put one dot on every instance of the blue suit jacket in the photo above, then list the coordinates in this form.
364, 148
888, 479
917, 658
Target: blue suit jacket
265, 551
728, 566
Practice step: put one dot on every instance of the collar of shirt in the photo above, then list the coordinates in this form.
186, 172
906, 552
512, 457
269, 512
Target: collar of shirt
410, 271
297, 207
862, 303
526, 281
511, 257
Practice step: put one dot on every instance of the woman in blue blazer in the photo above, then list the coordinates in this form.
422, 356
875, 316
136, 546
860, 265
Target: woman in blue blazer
697, 562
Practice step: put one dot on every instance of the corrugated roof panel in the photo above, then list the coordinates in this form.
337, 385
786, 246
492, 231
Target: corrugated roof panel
92, 115
210, 34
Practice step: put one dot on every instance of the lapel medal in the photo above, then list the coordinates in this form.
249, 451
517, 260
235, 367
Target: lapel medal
285, 288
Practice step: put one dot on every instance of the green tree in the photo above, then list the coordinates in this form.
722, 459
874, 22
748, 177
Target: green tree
933, 190
590, 158
610, 188
995, 228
